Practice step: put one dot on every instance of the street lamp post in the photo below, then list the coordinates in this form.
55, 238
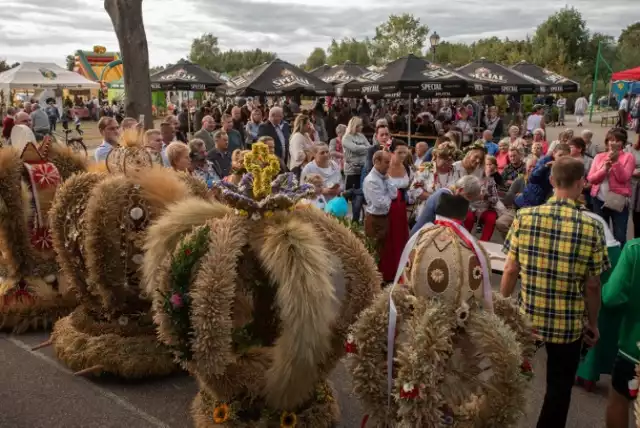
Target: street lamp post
434, 39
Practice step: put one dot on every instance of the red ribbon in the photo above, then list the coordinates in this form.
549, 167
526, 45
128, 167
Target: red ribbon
447, 223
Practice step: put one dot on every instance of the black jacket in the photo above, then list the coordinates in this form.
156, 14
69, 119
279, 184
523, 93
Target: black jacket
221, 162
268, 129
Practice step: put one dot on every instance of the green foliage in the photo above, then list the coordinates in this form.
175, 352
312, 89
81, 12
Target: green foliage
563, 38
629, 46
400, 35
178, 301
348, 50
317, 58
4, 65
206, 52
70, 61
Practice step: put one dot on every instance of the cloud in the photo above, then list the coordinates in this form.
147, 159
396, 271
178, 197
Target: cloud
41, 30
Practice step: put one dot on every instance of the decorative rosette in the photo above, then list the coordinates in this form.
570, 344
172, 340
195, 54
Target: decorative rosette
261, 191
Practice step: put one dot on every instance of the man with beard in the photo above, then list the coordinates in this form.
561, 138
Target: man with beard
238, 122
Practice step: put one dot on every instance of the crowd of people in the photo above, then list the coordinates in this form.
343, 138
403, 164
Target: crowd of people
512, 178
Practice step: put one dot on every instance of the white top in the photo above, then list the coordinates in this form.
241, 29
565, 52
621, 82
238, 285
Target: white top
378, 193
603, 189
533, 122
624, 105
298, 144
399, 182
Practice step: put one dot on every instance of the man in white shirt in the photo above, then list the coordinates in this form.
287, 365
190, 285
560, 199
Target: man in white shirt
580, 109
623, 111
378, 193
110, 132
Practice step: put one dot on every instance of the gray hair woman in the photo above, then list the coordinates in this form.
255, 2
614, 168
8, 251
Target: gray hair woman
355, 146
335, 146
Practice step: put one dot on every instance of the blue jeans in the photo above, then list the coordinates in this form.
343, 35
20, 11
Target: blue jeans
619, 220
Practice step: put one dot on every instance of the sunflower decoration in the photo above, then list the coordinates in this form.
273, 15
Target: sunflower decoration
221, 413
288, 420
261, 189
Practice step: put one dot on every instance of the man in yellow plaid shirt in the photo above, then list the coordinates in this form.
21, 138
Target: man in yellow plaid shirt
559, 254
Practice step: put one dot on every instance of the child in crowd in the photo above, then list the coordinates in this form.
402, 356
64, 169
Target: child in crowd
491, 168
76, 122
316, 181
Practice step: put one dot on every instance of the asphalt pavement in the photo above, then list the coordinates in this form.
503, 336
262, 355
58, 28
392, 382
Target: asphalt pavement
38, 392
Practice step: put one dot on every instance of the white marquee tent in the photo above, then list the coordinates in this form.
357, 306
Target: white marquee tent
43, 75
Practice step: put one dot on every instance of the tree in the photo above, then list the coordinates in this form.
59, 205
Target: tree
206, 53
317, 58
563, 34
71, 62
4, 65
158, 68
126, 16
400, 35
349, 49
628, 43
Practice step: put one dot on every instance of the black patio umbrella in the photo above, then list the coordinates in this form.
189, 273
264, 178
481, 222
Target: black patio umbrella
275, 78
343, 73
553, 82
319, 71
410, 76
501, 79
185, 77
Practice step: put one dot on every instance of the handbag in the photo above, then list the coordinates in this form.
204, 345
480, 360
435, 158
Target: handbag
614, 201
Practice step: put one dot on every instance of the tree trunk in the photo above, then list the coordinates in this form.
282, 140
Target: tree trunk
126, 16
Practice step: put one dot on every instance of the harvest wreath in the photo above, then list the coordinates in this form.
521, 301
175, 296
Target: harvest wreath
99, 222
243, 297
453, 362
32, 293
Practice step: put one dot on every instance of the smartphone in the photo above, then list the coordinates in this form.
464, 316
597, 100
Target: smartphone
141, 119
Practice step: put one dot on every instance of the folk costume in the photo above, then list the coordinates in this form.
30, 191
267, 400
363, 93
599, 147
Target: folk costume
453, 362
32, 293
255, 297
99, 222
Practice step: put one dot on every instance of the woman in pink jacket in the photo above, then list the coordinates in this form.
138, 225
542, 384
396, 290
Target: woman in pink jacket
610, 176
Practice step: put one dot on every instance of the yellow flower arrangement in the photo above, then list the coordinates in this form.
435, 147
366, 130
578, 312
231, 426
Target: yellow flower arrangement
221, 413
263, 166
288, 420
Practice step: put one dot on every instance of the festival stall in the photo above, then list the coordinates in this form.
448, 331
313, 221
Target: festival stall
185, 77
411, 76
554, 82
115, 90
275, 78
40, 76
501, 79
633, 75
342, 73
319, 71
625, 82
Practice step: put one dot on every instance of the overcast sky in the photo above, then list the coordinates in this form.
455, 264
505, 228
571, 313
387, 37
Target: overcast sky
36, 30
